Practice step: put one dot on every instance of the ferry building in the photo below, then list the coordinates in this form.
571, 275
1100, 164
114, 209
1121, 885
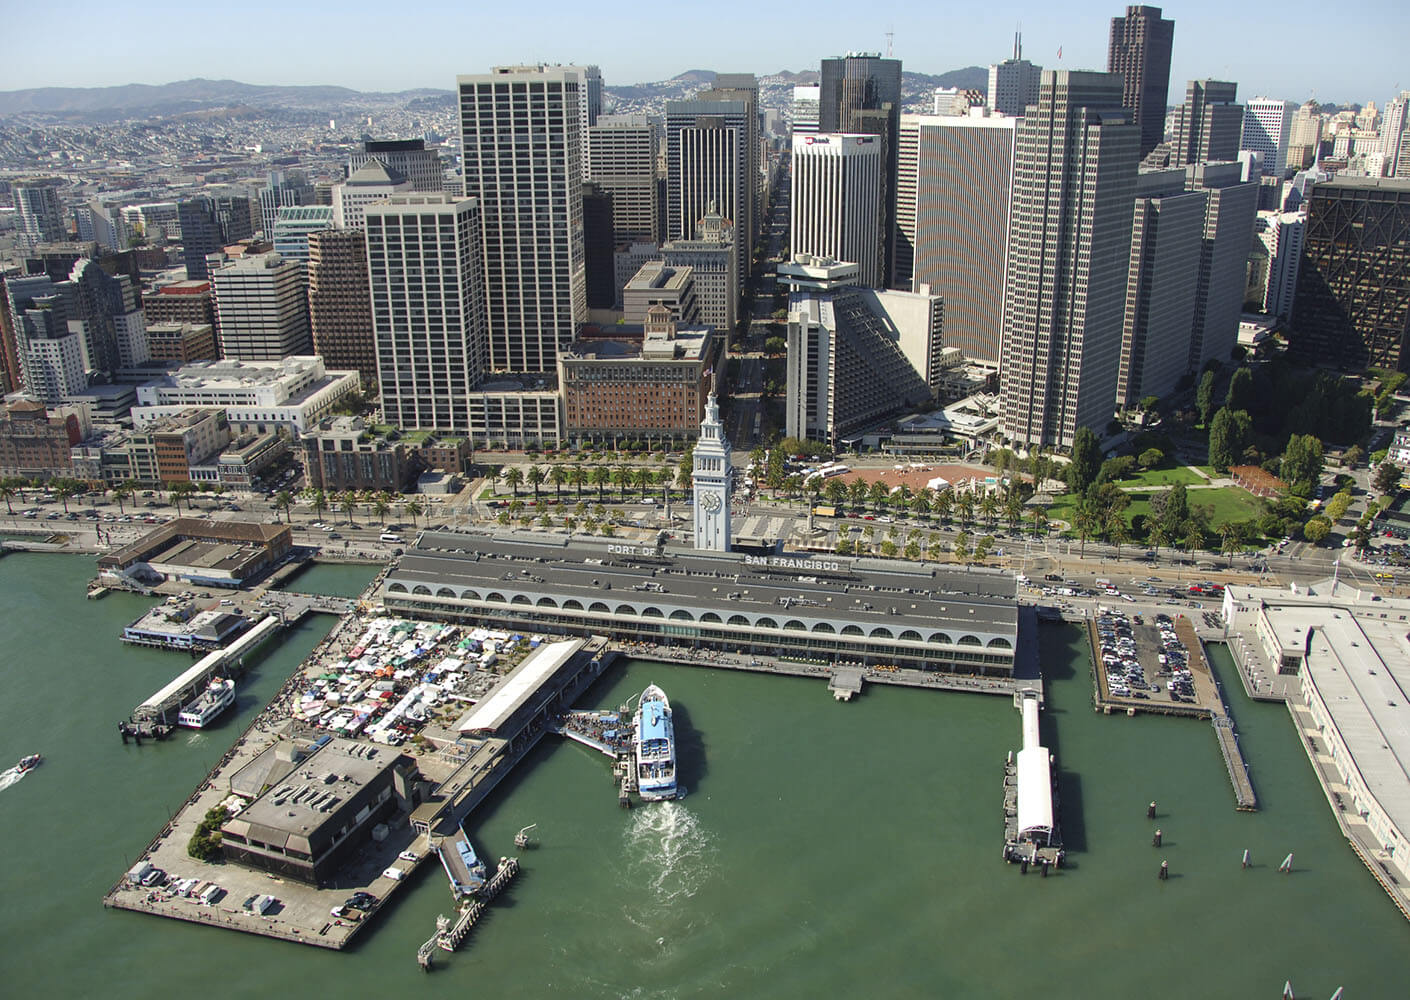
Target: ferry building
836, 609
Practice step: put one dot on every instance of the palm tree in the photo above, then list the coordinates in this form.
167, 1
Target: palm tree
181, 491
962, 546
122, 491
65, 488
8, 491
645, 479
347, 503
319, 500
878, 493
381, 507
1040, 521
578, 477
1086, 523
989, 507
1158, 536
623, 478
558, 475
413, 510
964, 507
601, 476
920, 503
857, 492
1013, 508
836, 492
534, 477
283, 500
1118, 532
666, 478
513, 476
943, 504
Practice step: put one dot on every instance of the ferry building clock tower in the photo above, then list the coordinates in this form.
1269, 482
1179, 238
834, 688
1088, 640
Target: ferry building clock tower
713, 478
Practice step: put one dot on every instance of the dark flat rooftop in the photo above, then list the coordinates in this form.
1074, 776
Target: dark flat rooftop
803, 584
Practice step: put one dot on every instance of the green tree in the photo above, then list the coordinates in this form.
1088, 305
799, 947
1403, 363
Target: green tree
1151, 458
1228, 434
558, 475
414, 510
578, 477
989, 507
964, 507
513, 476
534, 477
913, 551
1316, 530
1204, 397
318, 500
381, 508
878, 494
9, 491
1086, 460
284, 500
888, 549
1387, 477
601, 475
347, 503
775, 347
122, 491
1240, 395
1301, 464
65, 489
1086, 521
1171, 507
943, 505
1150, 404
181, 491
857, 492
623, 478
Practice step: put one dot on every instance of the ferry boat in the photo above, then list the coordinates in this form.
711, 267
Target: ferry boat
655, 746
208, 705
29, 763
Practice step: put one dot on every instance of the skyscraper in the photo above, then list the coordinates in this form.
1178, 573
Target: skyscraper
339, 306
1163, 278
589, 105
49, 349
294, 225
1353, 290
521, 140
1394, 142
707, 166
370, 183
406, 158
711, 255
1267, 124
1305, 136
262, 308
1208, 124
102, 224
1228, 228
1013, 83
836, 200
1068, 251
806, 110
1140, 51
953, 181
861, 93
41, 218
209, 223
426, 274
622, 156
281, 190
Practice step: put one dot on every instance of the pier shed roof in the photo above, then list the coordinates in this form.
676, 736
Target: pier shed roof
518, 686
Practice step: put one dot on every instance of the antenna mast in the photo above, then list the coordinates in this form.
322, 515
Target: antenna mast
890, 37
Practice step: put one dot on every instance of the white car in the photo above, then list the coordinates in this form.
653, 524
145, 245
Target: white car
409, 856
394, 873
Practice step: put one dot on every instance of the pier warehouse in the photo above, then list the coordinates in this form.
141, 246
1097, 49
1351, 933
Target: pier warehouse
1350, 654
203, 552
307, 823
824, 608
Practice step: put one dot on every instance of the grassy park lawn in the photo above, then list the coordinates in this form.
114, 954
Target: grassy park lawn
1181, 475
1229, 502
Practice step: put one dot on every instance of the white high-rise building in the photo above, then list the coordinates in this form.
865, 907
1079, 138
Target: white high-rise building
41, 218
1267, 129
807, 103
589, 104
262, 308
836, 200
713, 481
426, 272
521, 137
370, 183
1069, 244
1393, 139
1013, 83
1281, 234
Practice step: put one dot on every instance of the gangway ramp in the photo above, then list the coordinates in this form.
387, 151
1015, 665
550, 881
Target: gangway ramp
462, 865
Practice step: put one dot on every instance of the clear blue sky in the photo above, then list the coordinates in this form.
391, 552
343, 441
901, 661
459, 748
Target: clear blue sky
1350, 51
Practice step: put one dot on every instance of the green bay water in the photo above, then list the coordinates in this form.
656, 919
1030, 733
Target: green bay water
824, 849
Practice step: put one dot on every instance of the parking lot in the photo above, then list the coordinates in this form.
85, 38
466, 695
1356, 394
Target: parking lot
1141, 662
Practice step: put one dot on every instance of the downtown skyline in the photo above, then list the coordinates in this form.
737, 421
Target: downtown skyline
1211, 41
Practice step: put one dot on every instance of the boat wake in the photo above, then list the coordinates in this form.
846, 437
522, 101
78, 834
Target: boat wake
11, 776
669, 852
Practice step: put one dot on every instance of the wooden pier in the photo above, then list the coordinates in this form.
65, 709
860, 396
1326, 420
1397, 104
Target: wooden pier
448, 937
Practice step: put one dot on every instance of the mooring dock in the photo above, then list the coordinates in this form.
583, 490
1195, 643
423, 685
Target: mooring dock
463, 867
155, 717
448, 936
609, 735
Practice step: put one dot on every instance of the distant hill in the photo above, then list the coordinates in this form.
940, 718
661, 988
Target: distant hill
176, 98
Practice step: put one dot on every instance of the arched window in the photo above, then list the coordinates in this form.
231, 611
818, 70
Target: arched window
626, 609
520, 599
739, 620
824, 627
970, 640
496, 597
942, 638
652, 612
910, 635
572, 605
881, 632
766, 623
445, 592
795, 625
396, 588
421, 590
851, 630
681, 615
710, 617
546, 602
1000, 644
598, 608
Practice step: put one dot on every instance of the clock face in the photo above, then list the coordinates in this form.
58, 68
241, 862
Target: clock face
710, 502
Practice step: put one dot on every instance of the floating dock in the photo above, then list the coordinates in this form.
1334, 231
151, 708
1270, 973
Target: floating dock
156, 716
1032, 836
448, 936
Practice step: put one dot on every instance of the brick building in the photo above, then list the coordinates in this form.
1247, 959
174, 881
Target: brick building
343, 453
34, 444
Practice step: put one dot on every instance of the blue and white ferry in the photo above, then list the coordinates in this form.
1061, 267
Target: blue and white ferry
655, 747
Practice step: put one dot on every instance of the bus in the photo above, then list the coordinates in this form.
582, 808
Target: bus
388, 536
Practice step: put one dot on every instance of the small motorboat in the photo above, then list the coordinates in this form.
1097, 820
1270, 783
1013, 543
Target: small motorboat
29, 763
521, 839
